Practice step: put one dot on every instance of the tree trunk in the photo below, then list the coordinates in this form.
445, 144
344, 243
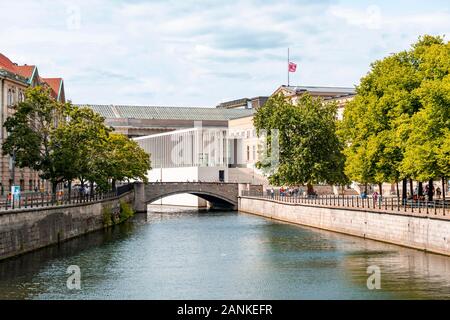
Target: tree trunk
54, 187
420, 189
380, 187
430, 190
443, 188
404, 189
92, 190
113, 185
70, 189
365, 188
398, 191
310, 189
411, 189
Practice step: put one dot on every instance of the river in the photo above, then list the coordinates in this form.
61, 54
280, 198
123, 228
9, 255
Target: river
189, 254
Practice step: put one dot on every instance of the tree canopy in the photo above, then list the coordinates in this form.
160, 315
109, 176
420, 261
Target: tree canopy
309, 148
397, 125
64, 142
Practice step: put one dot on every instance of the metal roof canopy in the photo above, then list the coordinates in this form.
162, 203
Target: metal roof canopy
167, 113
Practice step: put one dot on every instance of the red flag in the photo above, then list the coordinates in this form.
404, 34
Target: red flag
292, 67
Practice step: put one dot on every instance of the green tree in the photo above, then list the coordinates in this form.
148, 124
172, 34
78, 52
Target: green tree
31, 133
63, 142
81, 139
382, 103
123, 159
425, 155
398, 116
309, 148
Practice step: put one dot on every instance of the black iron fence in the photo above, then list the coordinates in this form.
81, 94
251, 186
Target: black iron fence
47, 199
438, 208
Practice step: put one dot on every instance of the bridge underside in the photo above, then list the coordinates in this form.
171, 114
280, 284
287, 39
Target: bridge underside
216, 203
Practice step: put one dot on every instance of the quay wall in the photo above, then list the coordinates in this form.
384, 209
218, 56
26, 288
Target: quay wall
423, 233
25, 230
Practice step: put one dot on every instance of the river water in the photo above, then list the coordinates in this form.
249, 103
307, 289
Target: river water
186, 254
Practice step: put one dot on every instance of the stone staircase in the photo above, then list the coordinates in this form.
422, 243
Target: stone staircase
246, 175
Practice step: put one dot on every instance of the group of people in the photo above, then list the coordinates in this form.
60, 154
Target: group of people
286, 191
416, 196
375, 195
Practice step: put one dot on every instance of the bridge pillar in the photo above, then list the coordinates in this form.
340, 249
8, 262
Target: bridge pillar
139, 198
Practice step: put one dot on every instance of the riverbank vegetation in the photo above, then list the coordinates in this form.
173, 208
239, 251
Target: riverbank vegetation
396, 128
64, 142
124, 212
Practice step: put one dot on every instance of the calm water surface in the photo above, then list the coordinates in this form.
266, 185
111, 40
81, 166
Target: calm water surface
185, 254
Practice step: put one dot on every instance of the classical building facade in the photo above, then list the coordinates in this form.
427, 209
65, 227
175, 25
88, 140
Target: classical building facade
14, 80
341, 95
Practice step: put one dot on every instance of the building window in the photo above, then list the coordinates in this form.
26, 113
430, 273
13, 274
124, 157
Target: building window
21, 96
254, 153
248, 153
9, 99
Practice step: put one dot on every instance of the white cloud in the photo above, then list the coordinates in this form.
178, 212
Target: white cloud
202, 52
370, 17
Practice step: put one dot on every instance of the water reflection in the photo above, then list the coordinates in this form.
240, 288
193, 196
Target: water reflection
186, 254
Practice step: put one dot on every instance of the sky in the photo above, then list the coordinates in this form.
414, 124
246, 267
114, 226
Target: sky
201, 53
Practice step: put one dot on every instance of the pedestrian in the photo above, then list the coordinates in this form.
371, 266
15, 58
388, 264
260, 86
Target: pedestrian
272, 192
375, 196
438, 192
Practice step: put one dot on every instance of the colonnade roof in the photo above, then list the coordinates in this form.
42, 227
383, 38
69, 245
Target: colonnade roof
168, 113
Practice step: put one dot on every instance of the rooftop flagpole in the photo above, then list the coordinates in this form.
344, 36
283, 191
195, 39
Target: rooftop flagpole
288, 67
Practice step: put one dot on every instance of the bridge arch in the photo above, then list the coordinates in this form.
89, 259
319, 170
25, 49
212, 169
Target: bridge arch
219, 195
216, 200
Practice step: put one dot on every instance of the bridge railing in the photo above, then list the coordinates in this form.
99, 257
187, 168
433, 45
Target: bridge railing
438, 208
190, 182
120, 190
61, 198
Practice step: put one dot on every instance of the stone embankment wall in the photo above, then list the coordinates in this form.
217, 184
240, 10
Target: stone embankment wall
29, 229
424, 233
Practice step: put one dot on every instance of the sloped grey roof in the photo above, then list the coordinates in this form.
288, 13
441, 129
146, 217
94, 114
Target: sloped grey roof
168, 113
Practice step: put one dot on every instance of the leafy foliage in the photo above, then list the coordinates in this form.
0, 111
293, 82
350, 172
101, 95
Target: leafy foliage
309, 149
126, 211
397, 125
63, 142
31, 135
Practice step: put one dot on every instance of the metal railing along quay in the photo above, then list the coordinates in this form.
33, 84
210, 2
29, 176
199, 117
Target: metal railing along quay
46, 199
438, 208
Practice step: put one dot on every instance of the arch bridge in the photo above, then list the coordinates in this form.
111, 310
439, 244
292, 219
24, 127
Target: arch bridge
219, 195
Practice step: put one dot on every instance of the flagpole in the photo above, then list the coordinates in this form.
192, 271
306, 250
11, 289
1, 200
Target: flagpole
288, 67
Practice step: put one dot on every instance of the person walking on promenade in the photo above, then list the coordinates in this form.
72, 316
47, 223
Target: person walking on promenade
438, 192
375, 196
